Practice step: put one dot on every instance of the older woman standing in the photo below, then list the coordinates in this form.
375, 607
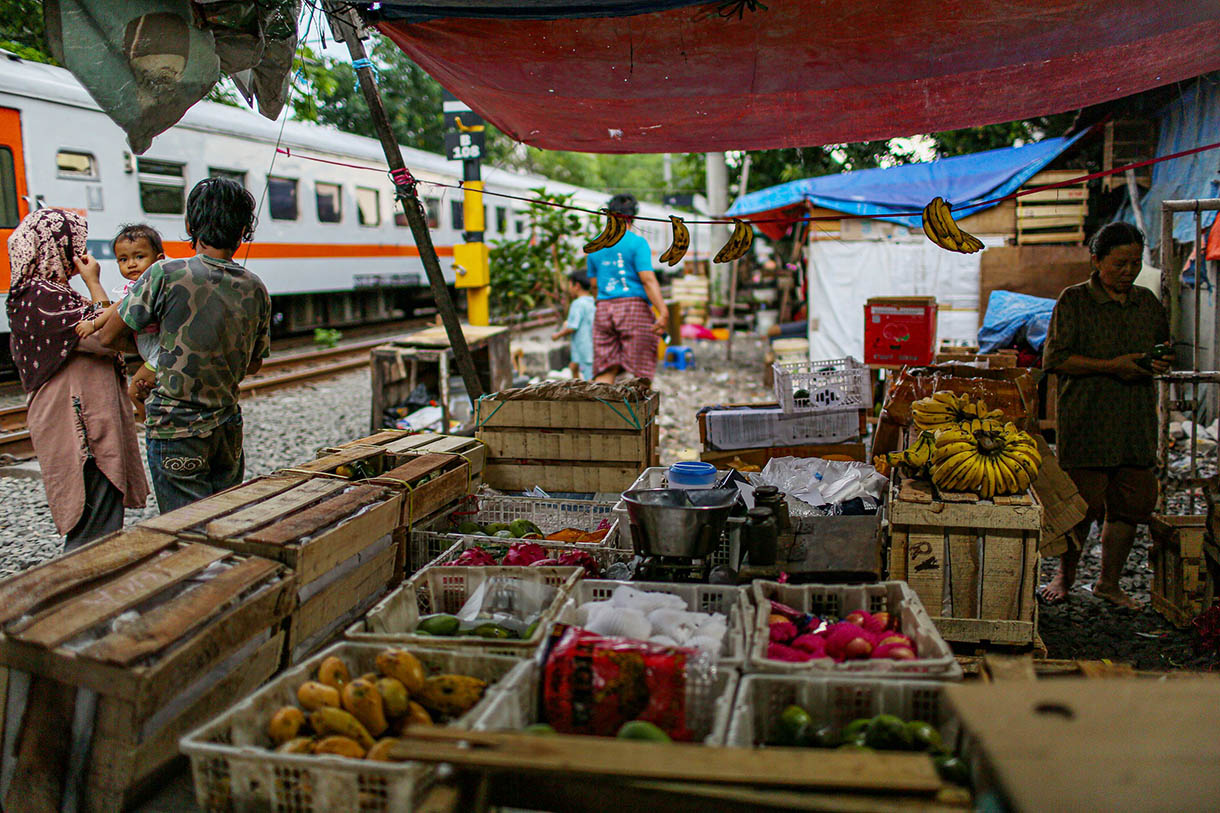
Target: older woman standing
79, 417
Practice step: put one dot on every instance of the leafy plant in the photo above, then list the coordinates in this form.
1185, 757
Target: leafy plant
529, 272
326, 337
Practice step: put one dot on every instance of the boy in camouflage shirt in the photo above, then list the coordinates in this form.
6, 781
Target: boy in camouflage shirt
215, 321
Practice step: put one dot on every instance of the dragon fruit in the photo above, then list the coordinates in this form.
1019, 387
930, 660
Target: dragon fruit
578, 558
779, 652
811, 644
782, 632
521, 554
473, 557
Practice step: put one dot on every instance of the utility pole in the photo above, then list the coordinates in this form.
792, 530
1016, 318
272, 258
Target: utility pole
346, 26
728, 350
718, 202
464, 141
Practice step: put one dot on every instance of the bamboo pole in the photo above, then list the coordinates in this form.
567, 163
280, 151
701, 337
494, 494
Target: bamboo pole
346, 26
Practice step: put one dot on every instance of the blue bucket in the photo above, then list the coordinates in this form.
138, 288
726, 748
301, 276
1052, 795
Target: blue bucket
692, 474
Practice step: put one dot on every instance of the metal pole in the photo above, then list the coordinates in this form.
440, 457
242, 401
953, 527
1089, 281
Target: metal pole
1194, 385
345, 25
728, 350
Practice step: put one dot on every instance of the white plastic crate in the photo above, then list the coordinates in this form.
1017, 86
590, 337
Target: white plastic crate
834, 385
601, 554
709, 703
935, 659
731, 602
394, 619
728, 553
550, 515
832, 701
234, 767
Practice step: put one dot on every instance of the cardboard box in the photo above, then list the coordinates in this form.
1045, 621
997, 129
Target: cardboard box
1062, 506
899, 330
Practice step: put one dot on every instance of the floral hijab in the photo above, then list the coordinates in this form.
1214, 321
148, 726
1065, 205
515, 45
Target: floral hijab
42, 307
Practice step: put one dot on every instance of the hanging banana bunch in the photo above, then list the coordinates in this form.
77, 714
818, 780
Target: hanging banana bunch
738, 244
945, 408
986, 457
942, 229
680, 243
612, 232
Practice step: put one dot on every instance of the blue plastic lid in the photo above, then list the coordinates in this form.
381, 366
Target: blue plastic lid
692, 471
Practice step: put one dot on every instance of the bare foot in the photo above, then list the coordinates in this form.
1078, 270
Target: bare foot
1115, 596
1056, 591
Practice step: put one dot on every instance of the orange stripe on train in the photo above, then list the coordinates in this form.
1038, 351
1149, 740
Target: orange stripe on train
270, 251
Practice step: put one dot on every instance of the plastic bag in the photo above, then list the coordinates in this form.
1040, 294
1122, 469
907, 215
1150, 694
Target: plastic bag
511, 603
818, 482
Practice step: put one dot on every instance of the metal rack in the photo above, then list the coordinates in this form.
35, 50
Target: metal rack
1182, 390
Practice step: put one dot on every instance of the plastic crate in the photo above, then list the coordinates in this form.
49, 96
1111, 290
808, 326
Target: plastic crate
935, 659
727, 553
234, 768
514, 707
835, 385
832, 701
731, 602
549, 514
394, 619
601, 554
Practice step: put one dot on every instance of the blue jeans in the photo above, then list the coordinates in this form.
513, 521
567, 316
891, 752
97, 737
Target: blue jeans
188, 469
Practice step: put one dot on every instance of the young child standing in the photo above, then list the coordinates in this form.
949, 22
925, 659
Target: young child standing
136, 247
215, 319
580, 325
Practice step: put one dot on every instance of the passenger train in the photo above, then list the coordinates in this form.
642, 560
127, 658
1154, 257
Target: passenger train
329, 244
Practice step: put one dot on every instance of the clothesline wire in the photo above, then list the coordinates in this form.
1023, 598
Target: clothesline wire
727, 220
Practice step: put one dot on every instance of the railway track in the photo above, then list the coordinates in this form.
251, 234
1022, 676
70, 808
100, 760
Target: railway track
277, 373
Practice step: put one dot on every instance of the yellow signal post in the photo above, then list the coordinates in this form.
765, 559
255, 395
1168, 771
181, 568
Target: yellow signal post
471, 257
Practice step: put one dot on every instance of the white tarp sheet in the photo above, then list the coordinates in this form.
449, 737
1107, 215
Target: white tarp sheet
843, 275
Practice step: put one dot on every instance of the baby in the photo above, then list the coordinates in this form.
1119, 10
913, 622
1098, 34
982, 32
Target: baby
136, 247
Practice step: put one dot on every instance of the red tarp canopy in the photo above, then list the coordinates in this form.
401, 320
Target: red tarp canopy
802, 74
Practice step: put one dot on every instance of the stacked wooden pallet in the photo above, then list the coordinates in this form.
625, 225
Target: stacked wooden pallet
1052, 215
1181, 583
116, 650
691, 295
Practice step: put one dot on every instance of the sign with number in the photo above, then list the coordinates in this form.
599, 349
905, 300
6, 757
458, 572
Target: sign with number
465, 134
464, 146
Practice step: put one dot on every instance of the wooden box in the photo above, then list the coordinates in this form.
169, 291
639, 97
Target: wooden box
398, 442
973, 564
336, 535
139, 638
567, 446
1181, 588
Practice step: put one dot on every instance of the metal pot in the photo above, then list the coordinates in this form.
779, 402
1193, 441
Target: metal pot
677, 522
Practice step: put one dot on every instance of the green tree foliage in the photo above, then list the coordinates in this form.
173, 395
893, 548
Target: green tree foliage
529, 273
22, 30
994, 136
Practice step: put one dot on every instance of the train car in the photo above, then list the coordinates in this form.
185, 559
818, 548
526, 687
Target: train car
329, 244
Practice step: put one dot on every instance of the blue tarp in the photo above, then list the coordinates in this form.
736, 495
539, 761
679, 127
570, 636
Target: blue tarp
1190, 120
1012, 316
962, 179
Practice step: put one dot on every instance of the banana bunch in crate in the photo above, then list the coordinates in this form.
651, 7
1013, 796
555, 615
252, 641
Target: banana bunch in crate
916, 459
944, 409
986, 457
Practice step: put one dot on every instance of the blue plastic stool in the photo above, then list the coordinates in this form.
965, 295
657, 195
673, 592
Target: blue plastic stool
679, 358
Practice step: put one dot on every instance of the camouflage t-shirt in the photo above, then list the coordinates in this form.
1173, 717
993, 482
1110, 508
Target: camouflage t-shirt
215, 320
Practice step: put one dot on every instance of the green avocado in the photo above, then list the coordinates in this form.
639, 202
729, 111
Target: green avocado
887, 732
923, 736
439, 624
952, 769
825, 737
493, 631
792, 725
641, 730
469, 527
520, 527
855, 729
493, 528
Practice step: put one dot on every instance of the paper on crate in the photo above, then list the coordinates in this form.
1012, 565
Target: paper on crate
750, 428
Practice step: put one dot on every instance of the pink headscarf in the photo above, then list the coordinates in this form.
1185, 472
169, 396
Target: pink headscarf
43, 309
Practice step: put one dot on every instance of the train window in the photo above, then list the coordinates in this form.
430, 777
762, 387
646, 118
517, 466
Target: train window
162, 186
502, 220
80, 165
9, 216
330, 204
368, 207
432, 211
231, 174
520, 226
457, 215
282, 198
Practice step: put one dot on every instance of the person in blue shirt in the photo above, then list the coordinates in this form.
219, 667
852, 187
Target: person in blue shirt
625, 328
579, 325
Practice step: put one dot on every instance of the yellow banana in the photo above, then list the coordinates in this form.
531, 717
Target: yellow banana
680, 243
738, 244
1007, 478
942, 229
946, 397
934, 231
611, 233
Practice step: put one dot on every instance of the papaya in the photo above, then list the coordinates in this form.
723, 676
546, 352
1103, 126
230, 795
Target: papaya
380, 751
394, 697
313, 695
296, 745
327, 721
438, 624
450, 695
285, 724
403, 667
361, 699
416, 715
340, 746
333, 672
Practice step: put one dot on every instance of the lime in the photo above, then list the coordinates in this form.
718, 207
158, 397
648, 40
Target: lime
641, 730
952, 769
887, 732
855, 729
825, 737
923, 736
792, 724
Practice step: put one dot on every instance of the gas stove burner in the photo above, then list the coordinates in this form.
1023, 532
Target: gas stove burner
672, 569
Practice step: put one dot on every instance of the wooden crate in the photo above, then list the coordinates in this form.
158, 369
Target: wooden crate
1181, 587
973, 563
1052, 215
398, 442
567, 446
336, 535
140, 637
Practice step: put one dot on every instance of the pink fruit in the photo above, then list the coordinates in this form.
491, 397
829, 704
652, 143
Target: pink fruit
857, 617
782, 631
895, 638
857, 648
838, 636
779, 652
894, 652
812, 644
785, 611
883, 618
